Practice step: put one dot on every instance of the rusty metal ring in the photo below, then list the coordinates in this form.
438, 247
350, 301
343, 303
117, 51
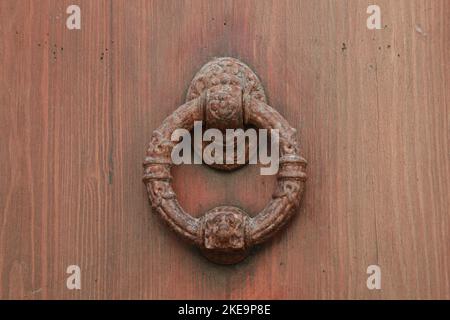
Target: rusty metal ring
225, 93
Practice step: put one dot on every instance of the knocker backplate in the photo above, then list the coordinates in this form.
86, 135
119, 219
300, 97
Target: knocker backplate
217, 74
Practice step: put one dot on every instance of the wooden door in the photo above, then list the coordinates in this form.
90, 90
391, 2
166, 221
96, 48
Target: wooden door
78, 108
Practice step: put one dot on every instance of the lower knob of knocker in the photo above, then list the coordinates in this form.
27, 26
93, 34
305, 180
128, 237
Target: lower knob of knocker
224, 235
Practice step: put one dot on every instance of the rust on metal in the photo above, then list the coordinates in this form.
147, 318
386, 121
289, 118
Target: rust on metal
225, 94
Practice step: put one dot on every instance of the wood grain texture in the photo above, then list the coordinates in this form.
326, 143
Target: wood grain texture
78, 108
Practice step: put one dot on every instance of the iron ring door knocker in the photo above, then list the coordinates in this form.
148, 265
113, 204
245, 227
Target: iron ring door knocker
225, 93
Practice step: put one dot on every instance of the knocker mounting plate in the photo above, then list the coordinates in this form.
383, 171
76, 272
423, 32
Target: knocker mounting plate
225, 82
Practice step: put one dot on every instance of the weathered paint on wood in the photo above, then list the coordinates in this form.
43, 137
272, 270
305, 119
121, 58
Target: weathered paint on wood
78, 107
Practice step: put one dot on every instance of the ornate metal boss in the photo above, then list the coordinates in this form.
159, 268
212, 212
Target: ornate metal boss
225, 94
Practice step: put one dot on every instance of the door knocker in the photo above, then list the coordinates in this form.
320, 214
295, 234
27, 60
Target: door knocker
225, 234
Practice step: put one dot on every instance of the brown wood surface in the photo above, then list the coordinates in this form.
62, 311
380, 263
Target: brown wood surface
78, 107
